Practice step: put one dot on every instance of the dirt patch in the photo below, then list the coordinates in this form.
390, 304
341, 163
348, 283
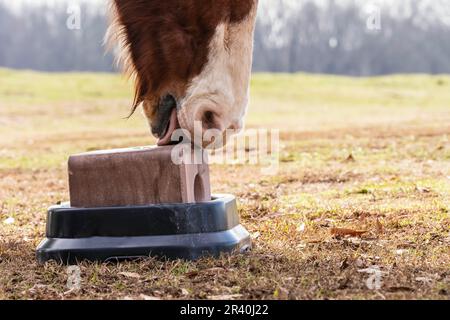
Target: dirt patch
392, 182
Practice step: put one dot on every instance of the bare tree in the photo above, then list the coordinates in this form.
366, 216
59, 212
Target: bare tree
329, 36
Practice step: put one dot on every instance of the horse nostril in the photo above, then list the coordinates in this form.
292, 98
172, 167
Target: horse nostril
209, 120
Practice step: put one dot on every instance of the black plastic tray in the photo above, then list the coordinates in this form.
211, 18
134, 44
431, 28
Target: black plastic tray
171, 231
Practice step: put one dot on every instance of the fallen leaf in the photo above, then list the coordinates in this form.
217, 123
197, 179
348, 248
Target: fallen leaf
350, 158
360, 263
10, 220
424, 280
344, 264
354, 240
130, 275
225, 297
36, 287
255, 235
406, 245
148, 298
192, 274
362, 216
378, 293
423, 189
343, 283
379, 227
184, 292
301, 228
370, 270
347, 232
281, 293
399, 289
401, 251
314, 241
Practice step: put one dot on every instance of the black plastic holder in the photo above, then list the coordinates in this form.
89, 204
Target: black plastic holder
168, 231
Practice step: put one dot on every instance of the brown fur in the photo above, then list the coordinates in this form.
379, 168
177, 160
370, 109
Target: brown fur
166, 42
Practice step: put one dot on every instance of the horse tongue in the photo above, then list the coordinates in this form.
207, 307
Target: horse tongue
172, 126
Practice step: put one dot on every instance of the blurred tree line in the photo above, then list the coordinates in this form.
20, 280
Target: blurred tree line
328, 36
37, 37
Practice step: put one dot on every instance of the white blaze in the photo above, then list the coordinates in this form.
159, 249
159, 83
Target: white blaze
223, 85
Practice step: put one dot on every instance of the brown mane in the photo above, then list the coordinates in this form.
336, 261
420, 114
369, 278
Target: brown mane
165, 43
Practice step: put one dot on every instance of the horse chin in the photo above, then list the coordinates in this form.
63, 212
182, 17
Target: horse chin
163, 119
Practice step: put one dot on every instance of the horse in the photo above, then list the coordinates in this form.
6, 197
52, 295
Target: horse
190, 60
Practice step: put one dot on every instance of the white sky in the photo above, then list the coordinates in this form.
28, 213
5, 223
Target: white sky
439, 3
16, 4
262, 2
434, 8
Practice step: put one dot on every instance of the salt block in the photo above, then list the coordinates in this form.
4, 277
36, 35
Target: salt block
135, 176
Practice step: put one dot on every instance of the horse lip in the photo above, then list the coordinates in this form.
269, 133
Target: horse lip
163, 116
162, 128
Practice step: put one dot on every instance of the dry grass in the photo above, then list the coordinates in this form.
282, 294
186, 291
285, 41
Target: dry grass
395, 186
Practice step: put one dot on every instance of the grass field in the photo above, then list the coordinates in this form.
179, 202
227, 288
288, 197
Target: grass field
365, 154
